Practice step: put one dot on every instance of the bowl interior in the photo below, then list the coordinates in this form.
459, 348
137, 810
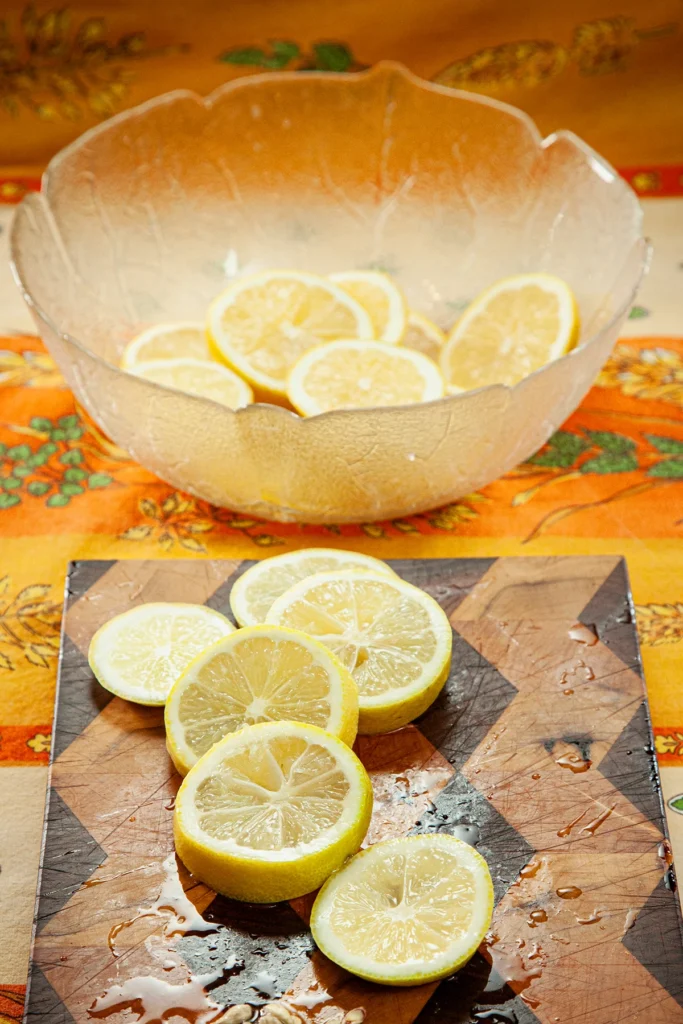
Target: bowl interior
152, 213
146, 218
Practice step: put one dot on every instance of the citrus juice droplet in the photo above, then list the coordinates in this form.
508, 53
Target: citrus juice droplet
593, 919
468, 833
574, 762
593, 826
564, 832
569, 892
583, 635
496, 1016
664, 852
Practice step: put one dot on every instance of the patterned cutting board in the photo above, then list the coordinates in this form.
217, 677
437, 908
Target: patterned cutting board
538, 751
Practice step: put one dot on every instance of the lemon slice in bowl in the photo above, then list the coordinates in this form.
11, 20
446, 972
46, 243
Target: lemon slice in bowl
424, 336
407, 911
198, 377
253, 593
270, 811
513, 328
139, 654
382, 299
258, 674
362, 374
393, 637
186, 340
261, 324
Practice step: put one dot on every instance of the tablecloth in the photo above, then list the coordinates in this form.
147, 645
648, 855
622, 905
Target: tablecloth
609, 482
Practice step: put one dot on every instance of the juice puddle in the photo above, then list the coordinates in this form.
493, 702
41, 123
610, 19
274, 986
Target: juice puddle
508, 968
313, 997
266, 984
173, 904
156, 1001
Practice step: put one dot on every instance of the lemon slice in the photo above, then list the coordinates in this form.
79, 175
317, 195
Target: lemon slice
407, 911
253, 593
167, 341
197, 377
271, 811
263, 323
423, 336
382, 299
139, 655
394, 639
258, 674
513, 328
361, 374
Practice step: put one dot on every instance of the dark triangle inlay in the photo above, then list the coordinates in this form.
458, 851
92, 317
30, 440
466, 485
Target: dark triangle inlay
461, 810
42, 1002
83, 575
80, 700
447, 580
464, 999
610, 611
220, 599
655, 940
69, 858
271, 939
470, 704
631, 767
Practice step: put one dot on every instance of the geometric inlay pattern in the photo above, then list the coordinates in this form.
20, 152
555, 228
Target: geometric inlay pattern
538, 751
68, 861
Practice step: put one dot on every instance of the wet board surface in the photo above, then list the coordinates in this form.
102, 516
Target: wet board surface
538, 751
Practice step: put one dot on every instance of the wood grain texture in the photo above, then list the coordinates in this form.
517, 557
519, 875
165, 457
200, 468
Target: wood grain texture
533, 695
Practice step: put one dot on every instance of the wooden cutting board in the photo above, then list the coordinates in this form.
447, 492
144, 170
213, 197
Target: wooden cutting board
538, 751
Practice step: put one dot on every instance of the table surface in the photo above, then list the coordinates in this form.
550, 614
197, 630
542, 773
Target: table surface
610, 483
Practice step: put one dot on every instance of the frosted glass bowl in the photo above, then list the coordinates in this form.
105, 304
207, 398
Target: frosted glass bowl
145, 218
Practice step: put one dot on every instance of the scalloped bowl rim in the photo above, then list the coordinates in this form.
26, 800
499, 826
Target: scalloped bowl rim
381, 68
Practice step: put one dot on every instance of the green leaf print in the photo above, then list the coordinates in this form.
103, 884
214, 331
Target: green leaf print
610, 462
668, 445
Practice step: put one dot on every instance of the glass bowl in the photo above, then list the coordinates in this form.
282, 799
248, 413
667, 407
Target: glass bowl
145, 218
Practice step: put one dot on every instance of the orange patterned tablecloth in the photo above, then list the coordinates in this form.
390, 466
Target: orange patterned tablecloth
611, 481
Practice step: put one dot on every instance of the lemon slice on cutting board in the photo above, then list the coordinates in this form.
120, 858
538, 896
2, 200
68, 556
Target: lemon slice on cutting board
362, 374
253, 593
424, 336
513, 328
198, 377
393, 637
380, 297
258, 674
139, 654
186, 340
407, 911
270, 811
262, 324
